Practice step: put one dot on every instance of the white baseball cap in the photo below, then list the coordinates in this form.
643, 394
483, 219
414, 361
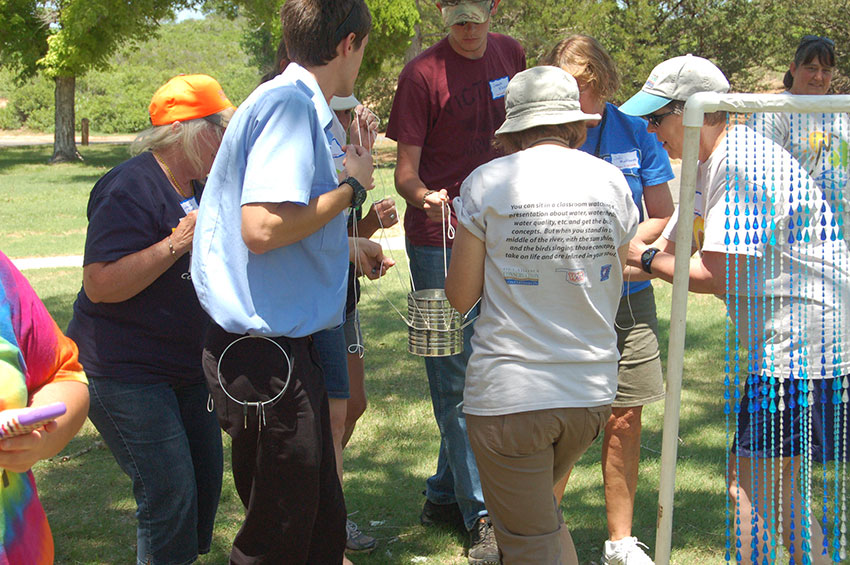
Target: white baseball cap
462, 11
542, 96
675, 79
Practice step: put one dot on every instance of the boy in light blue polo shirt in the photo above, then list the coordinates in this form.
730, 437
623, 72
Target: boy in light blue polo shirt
270, 262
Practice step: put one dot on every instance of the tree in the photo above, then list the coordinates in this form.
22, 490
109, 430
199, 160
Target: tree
65, 38
393, 25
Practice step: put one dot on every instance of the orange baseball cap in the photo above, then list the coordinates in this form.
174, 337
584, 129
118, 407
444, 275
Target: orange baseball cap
187, 97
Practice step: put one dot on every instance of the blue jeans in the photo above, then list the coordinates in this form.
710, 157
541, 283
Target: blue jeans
456, 478
165, 440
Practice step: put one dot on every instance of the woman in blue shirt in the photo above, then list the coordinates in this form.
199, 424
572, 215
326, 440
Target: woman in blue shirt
624, 142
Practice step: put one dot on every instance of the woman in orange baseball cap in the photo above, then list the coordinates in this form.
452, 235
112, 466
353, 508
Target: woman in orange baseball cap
140, 328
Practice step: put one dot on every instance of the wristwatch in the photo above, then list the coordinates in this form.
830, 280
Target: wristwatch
646, 258
359, 196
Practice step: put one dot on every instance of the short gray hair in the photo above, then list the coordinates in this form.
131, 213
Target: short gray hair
710, 119
157, 138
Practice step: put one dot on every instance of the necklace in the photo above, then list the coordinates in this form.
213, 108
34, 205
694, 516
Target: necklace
555, 140
171, 176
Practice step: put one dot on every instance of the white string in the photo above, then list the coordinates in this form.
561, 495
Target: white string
384, 241
446, 228
629, 303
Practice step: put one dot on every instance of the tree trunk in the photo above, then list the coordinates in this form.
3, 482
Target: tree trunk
64, 147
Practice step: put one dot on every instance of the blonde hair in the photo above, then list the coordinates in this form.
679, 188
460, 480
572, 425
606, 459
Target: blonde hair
585, 58
187, 134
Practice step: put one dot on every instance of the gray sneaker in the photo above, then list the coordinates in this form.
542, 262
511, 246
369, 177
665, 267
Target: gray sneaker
357, 541
482, 543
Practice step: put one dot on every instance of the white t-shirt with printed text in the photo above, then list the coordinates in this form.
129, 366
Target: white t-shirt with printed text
551, 219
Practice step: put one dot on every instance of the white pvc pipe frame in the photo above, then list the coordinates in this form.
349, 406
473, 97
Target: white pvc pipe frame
695, 108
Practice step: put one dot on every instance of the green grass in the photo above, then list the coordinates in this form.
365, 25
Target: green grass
43, 207
90, 504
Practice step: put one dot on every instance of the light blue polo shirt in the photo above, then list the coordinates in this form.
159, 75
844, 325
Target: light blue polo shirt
276, 149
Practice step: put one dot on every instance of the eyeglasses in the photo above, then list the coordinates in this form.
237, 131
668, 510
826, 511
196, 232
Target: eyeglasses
815, 38
655, 119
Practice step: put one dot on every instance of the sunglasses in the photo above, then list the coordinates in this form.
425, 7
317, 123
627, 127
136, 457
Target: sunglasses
451, 3
656, 119
816, 38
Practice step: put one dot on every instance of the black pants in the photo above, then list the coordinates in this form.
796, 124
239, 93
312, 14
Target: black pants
283, 468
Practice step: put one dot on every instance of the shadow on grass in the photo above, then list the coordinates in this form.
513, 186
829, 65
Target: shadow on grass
394, 449
95, 156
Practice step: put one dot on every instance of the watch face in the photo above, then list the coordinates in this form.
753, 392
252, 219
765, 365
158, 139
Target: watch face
646, 258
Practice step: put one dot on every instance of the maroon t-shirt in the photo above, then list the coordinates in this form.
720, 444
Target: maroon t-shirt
450, 106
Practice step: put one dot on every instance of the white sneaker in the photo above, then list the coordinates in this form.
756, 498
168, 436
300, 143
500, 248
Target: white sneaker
625, 552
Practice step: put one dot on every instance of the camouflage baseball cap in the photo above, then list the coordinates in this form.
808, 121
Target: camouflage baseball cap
462, 11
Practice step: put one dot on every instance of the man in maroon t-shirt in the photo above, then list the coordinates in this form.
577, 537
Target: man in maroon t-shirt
450, 100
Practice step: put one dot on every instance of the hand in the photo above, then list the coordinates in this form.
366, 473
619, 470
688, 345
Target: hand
370, 258
434, 204
364, 124
18, 454
358, 164
182, 236
385, 212
636, 249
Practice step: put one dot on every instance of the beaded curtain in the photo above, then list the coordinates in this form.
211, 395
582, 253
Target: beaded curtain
786, 358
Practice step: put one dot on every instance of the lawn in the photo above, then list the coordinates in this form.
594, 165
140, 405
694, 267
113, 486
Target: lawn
89, 501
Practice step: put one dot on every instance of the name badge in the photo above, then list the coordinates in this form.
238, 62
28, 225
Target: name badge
625, 160
336, 149
189, 204
498, 87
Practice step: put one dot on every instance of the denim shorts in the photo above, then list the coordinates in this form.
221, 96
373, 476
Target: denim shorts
331, 347
353, 335
762, 433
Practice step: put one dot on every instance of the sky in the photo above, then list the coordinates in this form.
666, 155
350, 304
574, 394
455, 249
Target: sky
189, 14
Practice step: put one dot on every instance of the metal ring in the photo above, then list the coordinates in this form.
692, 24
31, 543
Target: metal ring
264, 403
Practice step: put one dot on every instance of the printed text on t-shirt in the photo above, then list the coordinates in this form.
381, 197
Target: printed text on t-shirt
560, 230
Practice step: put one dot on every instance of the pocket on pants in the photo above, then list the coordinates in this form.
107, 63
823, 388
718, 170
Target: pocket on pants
597, 418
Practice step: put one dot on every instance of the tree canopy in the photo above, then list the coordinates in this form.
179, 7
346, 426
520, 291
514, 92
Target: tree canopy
750, 40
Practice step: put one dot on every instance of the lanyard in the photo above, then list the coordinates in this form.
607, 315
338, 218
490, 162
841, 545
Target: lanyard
601, 131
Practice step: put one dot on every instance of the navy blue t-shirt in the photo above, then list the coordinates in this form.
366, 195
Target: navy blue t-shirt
157, 335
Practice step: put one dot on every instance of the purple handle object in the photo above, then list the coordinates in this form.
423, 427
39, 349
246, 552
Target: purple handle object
25, 421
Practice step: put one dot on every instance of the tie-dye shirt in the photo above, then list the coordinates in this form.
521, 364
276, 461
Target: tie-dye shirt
33, 353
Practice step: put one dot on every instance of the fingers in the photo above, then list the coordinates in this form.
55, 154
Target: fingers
364, 127
358, 163
386, 212
437, 206
19, 454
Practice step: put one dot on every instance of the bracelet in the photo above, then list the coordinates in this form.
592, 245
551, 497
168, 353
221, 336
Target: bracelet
171, 248
426, 195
